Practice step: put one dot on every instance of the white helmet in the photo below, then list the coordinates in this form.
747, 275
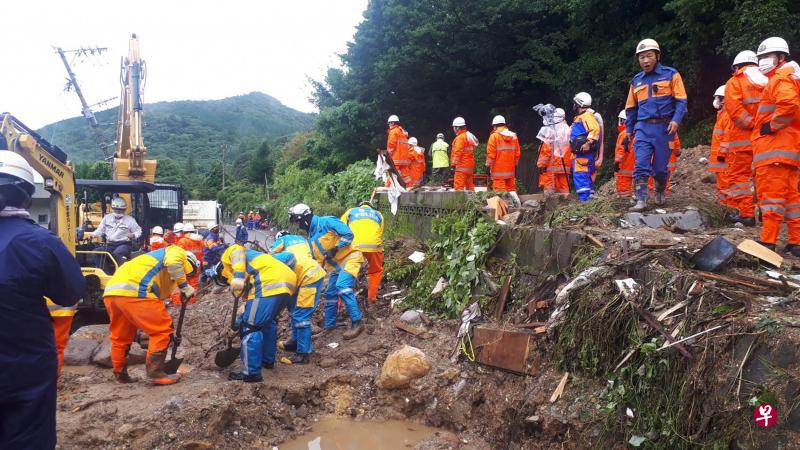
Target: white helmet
16, 167
238, 221
118, 204
393, 118
178, 227
559, 115
622, 115
459, 122
188, 228
720, 92
440, 136
647, 44
301, 214
157, 230
212, 225
583, 99
194, 262
412, 141
745, 57
773, 44
498, 120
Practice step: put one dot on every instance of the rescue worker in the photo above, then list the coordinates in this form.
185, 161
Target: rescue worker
741, 95
584, 139
213, 246
250, 221
398, 148
173, 236
502, 157
463, 156
156, 240
34, 263
417, 159
119, 231
717, 162
554, 170
441, 160
310, 277
271, 280
624, 159
654, 109
62, 322
193, 243
367, 225
241, 236
776, 144
134, 300
331, 246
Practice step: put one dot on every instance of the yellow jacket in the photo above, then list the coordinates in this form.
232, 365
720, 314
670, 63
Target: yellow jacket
367, 226
60, 311
269, 274
306, 268
152, 275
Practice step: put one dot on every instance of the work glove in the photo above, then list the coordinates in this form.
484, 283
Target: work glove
237, 286
331, 253
766, 129
626, 142
720, 158
188, 291
616, 167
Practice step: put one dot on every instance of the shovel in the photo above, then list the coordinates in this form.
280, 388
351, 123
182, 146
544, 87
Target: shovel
172, 365
225, 358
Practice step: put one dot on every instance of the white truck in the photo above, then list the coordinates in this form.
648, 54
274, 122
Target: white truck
202, 212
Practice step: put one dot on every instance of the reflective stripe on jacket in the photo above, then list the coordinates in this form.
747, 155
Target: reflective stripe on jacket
397, 146
326, 233
718, 142
367, 226
152, 275
742, 96
463, 155
439, 154
658, 95
307, 269
269, 274
780, 108
502, 153
60, 311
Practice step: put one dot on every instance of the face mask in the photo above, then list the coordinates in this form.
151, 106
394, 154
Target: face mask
766, 65
717, 104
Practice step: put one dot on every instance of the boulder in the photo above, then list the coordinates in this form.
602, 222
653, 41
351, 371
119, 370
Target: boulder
403, 365
411, 316
103, 355
79, 351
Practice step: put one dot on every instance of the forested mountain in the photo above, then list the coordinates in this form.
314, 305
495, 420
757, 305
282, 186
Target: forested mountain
183, 129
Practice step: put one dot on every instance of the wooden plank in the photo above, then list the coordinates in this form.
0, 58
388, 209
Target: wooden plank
531, 325
505, 349
713, 276
593, 239
753, 248
560, 388
501, 299
416, 331
669, 311
657, 243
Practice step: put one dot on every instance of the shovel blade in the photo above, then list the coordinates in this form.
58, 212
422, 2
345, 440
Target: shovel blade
225, 358
171, 366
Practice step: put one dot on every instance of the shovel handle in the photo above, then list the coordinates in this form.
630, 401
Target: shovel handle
178, 335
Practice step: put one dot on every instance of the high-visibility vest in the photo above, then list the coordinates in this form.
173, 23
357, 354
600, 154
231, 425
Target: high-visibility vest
152, 275
268, 275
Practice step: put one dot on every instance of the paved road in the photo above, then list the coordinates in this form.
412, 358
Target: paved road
265, 238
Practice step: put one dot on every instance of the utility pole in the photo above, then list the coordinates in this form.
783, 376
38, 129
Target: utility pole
223, 164
86, 110
266, 186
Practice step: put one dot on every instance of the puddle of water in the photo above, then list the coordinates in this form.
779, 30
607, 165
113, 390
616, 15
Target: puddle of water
336, 433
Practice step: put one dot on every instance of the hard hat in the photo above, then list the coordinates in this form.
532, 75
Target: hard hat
366, 203
393, 118
559, 115
459, 122
238, 221
212, 225
745, 57
622, 115
647, 44
14, 166
188, 228
499, 120
440, 136
281, 234
720, 92
158, 230
583, 99
195, 263
118, 203
412, 141
773, 44
299, 211
178, 227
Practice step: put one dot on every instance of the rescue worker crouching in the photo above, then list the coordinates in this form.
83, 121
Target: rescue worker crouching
213, 246
502, 157
134, 300
331, 246
310, 278
270, 281
585, 140
367, 225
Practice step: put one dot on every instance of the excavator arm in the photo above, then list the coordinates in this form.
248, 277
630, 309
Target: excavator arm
51, 162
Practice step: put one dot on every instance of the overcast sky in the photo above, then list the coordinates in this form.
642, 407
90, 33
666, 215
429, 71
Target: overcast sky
194, 50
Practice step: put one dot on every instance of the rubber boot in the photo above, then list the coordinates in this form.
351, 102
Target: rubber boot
793, 249
515, 199
661, 197
747, 221
356, 328
772, 246
155, 370
239, 376
300, 358
288, 346
640, 190
122, 376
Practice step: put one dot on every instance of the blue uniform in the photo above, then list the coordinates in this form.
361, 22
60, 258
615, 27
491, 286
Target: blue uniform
241, 234
654, 100
585, 126
212, 248
33, 264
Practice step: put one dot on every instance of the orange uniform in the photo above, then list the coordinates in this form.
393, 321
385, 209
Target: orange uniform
742, 95
626, 158
502, 157
553, 171
190, 242
417, 166
398, 148
719, 147
776, 153
156, 242
463, 159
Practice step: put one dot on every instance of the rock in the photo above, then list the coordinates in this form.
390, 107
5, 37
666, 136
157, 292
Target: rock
221, 419
532, 419
79, 351
124, 429
450, 374
97, 333
403, 365
174, 403
512, 218
690, 220
103, 355
411, 316
327, 362
709, 179
534, 204
703, 160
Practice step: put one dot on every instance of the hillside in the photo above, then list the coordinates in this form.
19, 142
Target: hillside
183, 128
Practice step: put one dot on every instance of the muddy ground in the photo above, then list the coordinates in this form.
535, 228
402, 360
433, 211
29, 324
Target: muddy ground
476, 406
